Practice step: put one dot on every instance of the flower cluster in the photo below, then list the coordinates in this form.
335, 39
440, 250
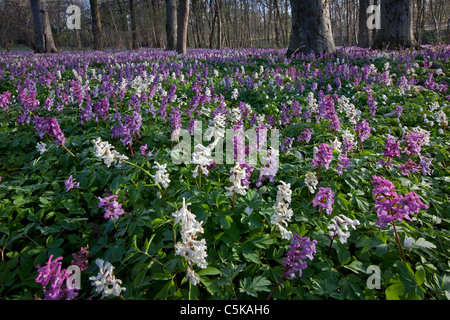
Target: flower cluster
81, 258
105, 281
190, 247
71, 183
325, 199
53, 280
237, 175
113, 209
363, 129
391, 206
323, 156
161, 175
300, 249
339, 227
51, 127
311, 181
105, 151
283, 213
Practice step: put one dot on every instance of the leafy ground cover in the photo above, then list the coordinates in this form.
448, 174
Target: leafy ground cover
349, 201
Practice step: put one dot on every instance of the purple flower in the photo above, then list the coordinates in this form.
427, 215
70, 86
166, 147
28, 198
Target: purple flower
390, 206
53, 280
51, 127
300, 249
143, 151
71, 183
5, 100
113, 209
413, 143
323, 156
101, 109
81, 258
363, 130
325, 199
409, 167
305, 135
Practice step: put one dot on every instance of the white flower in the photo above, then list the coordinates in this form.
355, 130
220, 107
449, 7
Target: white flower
105, 281
193, 277
284, 192
161, 176
235, 94
202, 158
106, 152
280, 219
41, 147
339, 227
311, 181
236, 176
217, 129
190, 247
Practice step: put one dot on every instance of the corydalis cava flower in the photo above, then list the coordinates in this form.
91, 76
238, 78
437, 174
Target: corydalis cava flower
282, 213
105, 281
300, 249
390, 206
325, 199
237, 174
339, 226
190, 247
105, 151
53, 280
113, 209
161, 176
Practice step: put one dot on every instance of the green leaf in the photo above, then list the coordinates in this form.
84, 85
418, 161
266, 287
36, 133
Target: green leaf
209, 271
252, 286
395, 291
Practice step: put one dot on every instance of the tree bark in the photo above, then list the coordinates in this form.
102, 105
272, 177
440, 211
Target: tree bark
171, 24
96, 25
134, 41
396, 25
183, 18
42, 30
311, 27
219, 26
363, 32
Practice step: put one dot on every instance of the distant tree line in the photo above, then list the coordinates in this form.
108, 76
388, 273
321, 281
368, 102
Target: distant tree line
131, 24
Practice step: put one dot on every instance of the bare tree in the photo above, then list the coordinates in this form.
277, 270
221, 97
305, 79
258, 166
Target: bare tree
134, 42
96, 25
363, 32
396, 25
311, 27
183, 18
42, 30
171, 24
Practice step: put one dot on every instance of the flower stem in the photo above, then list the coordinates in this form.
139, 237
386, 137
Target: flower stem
398, 241
135, 165
70, 152
278, 284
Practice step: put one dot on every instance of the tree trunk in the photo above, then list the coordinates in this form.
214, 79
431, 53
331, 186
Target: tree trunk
171, 24
183, 18
42, 30
96, 25
134, 42
311, 27
219, 26
363, 32
396, 25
